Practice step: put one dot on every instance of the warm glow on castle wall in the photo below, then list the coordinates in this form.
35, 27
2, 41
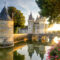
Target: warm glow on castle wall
56, 39
54, 27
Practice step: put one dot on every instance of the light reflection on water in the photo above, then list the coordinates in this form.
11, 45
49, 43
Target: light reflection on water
5, 54
28, 52
56, 39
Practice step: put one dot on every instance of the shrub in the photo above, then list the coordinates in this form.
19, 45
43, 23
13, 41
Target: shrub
54, 53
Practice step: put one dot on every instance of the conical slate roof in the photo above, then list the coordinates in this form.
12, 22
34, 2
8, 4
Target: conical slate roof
4, 14
37, 18
30, 17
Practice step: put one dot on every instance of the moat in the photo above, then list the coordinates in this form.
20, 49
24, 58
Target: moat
30, 50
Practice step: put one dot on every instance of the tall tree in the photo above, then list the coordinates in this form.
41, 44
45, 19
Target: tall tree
49, 8
17, 15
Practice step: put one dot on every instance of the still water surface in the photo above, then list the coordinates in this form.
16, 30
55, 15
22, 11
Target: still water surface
33, 52
26, 51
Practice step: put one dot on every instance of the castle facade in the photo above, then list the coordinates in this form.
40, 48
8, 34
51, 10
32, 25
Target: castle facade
37, 26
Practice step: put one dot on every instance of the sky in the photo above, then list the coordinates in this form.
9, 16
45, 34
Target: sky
26, 7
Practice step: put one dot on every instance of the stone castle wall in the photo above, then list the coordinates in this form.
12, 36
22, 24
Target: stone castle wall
6, 32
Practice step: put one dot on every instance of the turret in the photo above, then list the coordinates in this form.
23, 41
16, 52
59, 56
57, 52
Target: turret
4, 14
30, 24
31, 17
6, 29
37, 18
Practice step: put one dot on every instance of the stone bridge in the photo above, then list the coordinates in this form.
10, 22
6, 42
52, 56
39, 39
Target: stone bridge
39, 36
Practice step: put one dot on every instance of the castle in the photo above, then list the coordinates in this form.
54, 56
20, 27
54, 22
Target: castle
38, 26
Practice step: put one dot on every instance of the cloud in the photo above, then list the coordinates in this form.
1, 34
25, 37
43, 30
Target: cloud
26, 6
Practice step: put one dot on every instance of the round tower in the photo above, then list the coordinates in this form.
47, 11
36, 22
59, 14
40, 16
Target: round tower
6, 29
30, 24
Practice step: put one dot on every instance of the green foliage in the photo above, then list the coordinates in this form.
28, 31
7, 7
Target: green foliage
18, 56
11, 11
19, 19
49, 8
15, 30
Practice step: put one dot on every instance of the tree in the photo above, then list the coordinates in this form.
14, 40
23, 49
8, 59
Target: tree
11, 11
49, 8
19, 19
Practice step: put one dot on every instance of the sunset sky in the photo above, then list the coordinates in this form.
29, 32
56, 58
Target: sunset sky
26, 6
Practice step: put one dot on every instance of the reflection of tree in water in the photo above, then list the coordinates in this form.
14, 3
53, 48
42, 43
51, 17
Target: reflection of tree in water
40, 50
5, 54
42, 55
18, 56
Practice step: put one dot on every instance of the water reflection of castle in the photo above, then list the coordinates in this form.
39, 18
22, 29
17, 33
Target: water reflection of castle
39, 49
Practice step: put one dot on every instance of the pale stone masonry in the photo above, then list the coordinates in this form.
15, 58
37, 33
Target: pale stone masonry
37, 26
6, 28
30, 24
